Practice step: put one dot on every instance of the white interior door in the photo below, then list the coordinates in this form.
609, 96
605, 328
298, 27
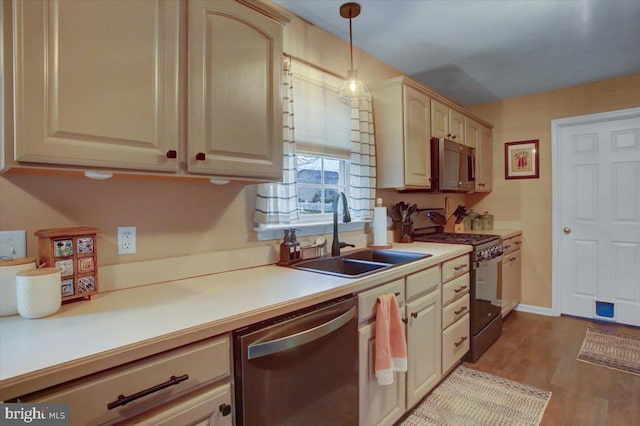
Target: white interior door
597, 216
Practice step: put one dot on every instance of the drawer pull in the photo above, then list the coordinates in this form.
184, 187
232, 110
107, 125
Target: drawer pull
461, 310
414, 315
459, 289
461, 341
225, 409
457, 268
404, 320
507, 246
518, 243
124, 400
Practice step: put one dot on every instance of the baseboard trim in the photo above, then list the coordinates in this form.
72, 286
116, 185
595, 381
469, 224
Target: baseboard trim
535, 310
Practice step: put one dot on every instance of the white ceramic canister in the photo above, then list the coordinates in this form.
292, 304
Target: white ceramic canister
8, 271
39, 293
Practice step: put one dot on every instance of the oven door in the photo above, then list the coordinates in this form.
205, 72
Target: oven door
486, 292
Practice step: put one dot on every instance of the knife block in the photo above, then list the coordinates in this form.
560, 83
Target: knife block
454, 227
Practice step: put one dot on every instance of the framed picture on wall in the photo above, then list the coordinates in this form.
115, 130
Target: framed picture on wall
521, 160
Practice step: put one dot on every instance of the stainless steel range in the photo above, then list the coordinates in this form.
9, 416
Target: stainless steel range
486, 261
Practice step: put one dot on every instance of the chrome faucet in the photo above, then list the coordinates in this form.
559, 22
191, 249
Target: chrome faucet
346, 218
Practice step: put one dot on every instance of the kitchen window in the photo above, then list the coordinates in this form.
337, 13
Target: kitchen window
323, 154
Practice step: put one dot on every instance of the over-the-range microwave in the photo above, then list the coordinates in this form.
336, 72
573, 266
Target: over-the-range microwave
452, 166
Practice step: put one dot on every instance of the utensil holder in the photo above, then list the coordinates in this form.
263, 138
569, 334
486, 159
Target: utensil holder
402, 232
38, 292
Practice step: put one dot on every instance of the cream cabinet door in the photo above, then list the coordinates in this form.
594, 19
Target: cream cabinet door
235, 112
417, 143
96, 83
511, 281
423, 346
472, 134
211, 406
379, 405
456, 126
439, 120
484, 161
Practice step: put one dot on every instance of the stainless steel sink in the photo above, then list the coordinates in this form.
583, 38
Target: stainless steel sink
359, 263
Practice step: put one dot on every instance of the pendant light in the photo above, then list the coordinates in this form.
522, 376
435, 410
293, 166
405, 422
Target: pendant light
352, 88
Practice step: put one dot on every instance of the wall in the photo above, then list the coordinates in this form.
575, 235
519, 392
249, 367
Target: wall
529, 200
173, 218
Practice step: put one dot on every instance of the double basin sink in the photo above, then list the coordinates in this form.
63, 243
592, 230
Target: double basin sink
359, 263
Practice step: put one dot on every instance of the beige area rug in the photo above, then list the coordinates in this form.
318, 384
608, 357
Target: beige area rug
611, 350
471, 397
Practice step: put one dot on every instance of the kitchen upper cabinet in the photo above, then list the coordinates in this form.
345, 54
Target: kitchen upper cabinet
403, 133
235, 111
96, 83
484, 160
447, 122
472, 134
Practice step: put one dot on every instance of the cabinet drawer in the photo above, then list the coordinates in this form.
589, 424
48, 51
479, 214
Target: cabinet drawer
202, 407
367, 300
423, 282
455, 311
512, 244
455, 342
455, 289
89, 397
455, 267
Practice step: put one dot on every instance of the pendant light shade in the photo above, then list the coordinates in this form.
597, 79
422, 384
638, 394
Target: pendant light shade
353, 88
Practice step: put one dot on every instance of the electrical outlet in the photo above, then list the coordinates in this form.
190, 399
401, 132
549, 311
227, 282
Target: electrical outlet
13, 244
126, 239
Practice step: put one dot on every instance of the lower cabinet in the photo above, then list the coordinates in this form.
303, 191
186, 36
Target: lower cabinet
455, 342
511, 274
511, 281
173, 387
379, 405
385, 405
207, 407
423, 346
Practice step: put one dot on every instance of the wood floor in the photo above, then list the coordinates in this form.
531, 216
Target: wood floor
541, 351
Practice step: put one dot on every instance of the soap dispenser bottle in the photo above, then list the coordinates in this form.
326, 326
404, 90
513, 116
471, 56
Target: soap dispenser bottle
297, 250
286, 248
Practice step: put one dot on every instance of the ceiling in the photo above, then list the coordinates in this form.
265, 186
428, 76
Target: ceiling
475, 51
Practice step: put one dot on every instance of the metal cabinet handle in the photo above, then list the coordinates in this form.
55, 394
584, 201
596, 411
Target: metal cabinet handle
518, 243
566, 230
124, 400
457, 268
453, 137
482, 184
507, 246
414, 315
172, 153
404, 320
461, 310
288, 342
462, 339
201, 156
459, 289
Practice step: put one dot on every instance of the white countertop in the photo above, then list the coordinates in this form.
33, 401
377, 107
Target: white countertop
120, 326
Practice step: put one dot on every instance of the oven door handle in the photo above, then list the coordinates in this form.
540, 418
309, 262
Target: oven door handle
271, 347
485, 263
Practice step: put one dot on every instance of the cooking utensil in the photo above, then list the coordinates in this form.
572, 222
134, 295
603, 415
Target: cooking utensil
437, 218
396, 215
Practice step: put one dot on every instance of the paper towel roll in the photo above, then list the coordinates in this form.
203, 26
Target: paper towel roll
38, 292
379, 226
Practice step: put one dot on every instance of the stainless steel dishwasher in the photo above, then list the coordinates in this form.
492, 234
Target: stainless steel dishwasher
299, 369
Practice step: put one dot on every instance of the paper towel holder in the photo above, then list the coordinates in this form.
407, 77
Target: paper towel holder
379, 246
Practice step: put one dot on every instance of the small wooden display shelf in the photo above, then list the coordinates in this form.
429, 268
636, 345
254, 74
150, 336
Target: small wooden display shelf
75, 252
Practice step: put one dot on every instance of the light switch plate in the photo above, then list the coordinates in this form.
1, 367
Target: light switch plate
13, 244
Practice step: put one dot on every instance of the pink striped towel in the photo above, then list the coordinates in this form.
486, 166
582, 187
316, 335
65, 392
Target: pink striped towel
390, 344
